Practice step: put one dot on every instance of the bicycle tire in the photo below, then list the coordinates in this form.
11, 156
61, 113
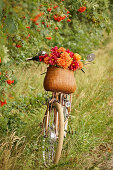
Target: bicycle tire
52, 153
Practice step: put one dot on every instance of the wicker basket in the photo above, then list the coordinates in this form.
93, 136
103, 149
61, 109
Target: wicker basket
59, 80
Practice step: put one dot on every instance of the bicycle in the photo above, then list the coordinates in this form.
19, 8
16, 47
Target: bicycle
55, 123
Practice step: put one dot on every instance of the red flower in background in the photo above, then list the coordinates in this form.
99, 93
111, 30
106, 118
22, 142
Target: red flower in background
18, 46
68, 12
48, 25
68, 20
48, 38
37, 16
28, 36
49, 9
82, 9
0, 60
2, 103
56, 28
28, 27
56, 6
41, 5
59, 18
10, 82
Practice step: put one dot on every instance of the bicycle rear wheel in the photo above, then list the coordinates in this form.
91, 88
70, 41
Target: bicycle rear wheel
53, 134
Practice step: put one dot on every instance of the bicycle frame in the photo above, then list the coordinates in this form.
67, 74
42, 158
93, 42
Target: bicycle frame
65, 102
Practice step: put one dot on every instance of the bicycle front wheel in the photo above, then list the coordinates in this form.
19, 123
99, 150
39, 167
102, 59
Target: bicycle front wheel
53, 134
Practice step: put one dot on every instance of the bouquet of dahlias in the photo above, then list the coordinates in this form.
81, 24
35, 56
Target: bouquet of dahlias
63, 58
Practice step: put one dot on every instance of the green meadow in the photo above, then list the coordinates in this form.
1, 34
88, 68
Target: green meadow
88, 145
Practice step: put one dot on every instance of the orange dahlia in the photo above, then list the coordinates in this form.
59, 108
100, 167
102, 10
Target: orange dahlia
61, 49
64, 60
46, 60
65, 56
77, 57
61, 62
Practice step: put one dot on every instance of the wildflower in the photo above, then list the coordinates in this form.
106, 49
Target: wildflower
0, 60
43, 22
56, 28
37, 16
48, 25
18, 46
48, 38
40, 5
68, 12
82, 9
49, 9
68, 20
37, 23
0, 73
59, 18
28, 27
10, 82
28, 36
3, 102
56, 6
63, 17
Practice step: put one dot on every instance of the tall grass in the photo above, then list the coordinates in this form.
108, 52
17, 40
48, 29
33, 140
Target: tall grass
89, 141
91, 121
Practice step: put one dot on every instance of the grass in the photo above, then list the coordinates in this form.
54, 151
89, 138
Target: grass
89, 144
